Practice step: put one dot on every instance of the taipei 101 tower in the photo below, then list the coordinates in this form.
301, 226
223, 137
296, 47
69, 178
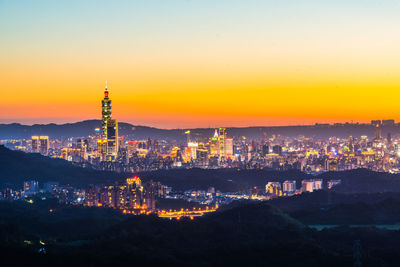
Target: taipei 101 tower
105, 112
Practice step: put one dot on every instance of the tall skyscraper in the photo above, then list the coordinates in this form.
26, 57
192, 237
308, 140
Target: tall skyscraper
378, 131
222, 143
35, 144
105, 112
213, 144
112, 139
44, 145
229, 147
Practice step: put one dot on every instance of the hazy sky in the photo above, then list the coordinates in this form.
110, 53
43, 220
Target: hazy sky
200, 63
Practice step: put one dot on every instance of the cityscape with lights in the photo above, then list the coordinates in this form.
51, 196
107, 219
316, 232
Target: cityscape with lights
200, 133
107, 150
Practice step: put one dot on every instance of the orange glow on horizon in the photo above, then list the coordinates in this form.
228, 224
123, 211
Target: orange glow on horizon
206, 107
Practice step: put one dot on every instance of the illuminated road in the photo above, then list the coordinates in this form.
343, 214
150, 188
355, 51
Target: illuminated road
185, 213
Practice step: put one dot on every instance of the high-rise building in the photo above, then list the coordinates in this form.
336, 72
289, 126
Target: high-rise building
112, 139
222, 143
202, 155
289, 186
318, 184
307, 185
273, 188
192, 149
44, 145
82, 147
213, 144
102, 148
92, 196
134, 186
229, 147
378, 129
35, 144
105, 112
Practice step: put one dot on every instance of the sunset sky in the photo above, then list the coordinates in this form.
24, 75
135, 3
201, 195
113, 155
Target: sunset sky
200, 63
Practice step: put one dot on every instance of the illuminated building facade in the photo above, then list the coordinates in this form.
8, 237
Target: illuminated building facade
192, 146
102, 148
273, 188
222, 143
71, 154
35, 144
289, 186
92, 196
318, 184
228, 148
44, 145
378, 129
307, 185
112, 139
131, 195
40, 144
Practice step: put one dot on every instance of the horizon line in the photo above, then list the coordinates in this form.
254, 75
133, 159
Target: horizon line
178, 128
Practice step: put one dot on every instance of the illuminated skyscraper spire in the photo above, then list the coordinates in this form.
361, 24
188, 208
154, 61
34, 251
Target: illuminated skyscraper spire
105, 112
106, 91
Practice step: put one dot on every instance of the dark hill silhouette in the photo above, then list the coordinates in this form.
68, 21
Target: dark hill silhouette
384, 212
226, 180
326, 207
249, 234
363, 180
324, 198
17, 166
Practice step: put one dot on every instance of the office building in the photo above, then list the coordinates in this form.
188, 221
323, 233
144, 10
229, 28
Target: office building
317, 184
112, 139
289, 186
307, 185
35, 144
44, 145
222, 143
229, 148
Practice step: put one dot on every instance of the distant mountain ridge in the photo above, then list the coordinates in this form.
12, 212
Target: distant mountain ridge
85, 128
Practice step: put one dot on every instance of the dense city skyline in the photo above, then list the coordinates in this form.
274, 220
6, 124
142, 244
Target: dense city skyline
200, 63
